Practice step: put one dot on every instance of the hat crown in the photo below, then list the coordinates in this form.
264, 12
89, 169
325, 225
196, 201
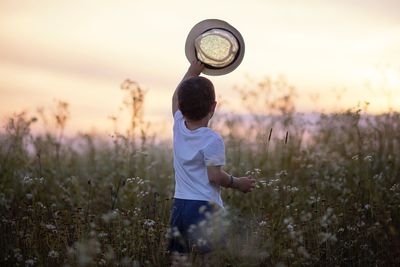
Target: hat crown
216, 48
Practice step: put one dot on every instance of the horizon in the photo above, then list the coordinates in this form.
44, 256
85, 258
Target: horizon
309, 120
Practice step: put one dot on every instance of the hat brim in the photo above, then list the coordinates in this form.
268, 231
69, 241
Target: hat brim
204, 26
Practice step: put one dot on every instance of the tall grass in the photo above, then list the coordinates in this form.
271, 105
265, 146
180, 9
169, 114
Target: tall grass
328, 191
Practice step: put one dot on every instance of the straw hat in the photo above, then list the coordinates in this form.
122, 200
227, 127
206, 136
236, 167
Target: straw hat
217, 44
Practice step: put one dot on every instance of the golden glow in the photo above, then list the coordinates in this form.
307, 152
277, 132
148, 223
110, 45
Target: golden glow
80, 52
216, 48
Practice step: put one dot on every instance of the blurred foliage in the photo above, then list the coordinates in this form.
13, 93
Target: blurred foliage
328, 189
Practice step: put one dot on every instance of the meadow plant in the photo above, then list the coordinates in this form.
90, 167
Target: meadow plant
328, 191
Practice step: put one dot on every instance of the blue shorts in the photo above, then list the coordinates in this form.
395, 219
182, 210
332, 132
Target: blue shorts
187, 217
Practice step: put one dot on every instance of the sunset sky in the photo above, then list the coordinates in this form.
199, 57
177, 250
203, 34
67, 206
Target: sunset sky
81, 51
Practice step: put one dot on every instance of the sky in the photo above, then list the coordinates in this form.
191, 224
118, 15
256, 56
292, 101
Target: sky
81, 51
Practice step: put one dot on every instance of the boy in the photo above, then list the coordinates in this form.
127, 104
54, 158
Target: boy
199, 155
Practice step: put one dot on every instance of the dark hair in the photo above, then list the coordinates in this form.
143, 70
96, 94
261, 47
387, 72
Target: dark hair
195, 97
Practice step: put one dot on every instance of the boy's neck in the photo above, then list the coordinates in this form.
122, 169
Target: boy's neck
193, 125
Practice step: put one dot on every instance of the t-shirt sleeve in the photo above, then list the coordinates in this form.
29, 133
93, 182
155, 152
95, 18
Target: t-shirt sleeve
214, 153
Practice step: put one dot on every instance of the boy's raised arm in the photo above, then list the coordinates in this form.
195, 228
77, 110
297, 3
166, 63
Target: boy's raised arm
194, 70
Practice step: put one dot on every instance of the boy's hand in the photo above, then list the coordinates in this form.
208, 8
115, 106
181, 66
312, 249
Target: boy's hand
244, 184
195, 68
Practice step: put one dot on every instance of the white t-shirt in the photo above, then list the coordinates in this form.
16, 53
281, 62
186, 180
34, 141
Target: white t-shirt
193, 152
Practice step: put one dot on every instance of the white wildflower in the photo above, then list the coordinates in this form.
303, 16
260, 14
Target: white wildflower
53, 254
360, 224
111, 215
50, 226
304, 217
368, 158
395, 187
378, 177
30, 262
281, 173
149, 222
102, 235
293, 189
143, 193
348, 244
17, 254
262, 223
288, 220
136, 211
313, 199
27, 180
324, 237
263, 183
130, 180
351, 228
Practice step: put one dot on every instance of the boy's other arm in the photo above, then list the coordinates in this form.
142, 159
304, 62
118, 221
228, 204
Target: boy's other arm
218, 176
194, 70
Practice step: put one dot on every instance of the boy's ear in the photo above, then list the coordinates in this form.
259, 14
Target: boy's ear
213, 106
212, 109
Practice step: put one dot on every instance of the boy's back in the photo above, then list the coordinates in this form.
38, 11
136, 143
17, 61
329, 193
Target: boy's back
194, 150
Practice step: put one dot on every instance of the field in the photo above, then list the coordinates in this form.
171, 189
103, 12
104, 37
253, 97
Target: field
328, 189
